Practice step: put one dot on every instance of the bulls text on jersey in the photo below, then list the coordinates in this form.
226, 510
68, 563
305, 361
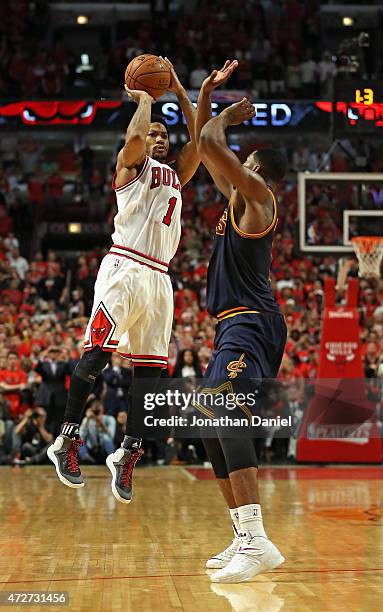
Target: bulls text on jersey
164, 176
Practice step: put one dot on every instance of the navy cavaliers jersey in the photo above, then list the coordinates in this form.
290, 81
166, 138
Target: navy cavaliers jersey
238, 278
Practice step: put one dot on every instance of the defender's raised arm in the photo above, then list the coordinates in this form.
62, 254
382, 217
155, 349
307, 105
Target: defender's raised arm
214, 80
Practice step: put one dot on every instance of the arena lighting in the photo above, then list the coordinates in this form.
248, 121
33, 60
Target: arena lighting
82, 19
348, 21
74, 228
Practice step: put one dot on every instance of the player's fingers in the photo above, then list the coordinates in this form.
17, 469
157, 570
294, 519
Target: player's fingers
165, 61
213, 75
246, 105
226, 64
242, 103
170, 64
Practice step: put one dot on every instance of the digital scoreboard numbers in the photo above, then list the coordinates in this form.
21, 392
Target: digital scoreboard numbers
364, 96
357, 107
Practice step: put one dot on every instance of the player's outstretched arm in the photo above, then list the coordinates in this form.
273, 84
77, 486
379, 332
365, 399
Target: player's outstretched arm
214, 149
214, 80
133, 151
187, 160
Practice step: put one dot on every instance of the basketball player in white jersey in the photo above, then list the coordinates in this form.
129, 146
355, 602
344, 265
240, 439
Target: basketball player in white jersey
133, 299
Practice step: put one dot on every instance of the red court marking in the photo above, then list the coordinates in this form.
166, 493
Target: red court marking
304, 473
146, 576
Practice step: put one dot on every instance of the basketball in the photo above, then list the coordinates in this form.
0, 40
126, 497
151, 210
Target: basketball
148, 73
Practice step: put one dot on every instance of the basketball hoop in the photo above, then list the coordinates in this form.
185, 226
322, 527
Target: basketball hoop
369, 251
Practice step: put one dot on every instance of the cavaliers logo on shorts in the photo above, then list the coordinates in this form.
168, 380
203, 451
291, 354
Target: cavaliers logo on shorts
221, 225
235, 367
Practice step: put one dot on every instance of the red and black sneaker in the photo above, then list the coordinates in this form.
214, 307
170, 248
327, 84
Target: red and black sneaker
121, 463
64, 454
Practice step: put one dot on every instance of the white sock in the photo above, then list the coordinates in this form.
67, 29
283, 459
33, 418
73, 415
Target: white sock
250, 520
235, 519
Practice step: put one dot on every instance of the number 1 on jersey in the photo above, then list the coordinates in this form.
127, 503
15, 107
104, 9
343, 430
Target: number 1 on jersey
171, 206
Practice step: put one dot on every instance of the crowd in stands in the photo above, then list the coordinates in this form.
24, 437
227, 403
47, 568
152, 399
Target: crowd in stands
279, 45
43, 315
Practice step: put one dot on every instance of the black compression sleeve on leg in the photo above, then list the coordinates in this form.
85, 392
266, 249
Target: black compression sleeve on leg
217, 459
82, 381
239, 453
146, 372
145, 380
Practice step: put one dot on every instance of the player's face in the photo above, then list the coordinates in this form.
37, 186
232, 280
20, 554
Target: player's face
157, 142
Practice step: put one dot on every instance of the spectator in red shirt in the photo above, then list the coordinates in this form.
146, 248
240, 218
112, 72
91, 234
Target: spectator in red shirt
55, 186
55, 189
35, 190
13, 293
6, 223
67, 160
13, 380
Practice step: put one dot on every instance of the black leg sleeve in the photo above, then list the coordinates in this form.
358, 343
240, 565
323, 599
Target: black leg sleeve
239, 453
82, 381
145, 380
217, 458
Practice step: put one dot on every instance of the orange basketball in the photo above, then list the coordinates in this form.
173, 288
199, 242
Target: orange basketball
148, 73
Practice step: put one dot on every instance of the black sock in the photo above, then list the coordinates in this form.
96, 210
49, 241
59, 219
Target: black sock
131, 443
79, 391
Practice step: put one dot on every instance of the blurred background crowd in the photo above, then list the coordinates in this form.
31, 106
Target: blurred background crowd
46, 298
280, 45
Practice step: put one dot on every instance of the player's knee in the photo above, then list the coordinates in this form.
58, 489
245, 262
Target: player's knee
91, 364
239, 454
216, 457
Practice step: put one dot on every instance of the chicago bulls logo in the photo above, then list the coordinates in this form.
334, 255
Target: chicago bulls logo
101, 330
98, 332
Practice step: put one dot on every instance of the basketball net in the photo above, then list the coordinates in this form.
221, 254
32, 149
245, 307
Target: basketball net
369, 251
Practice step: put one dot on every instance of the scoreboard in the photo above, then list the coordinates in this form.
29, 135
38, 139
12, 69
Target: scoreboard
357, 107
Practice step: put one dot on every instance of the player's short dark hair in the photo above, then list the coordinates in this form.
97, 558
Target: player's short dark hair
273, 164
155, 118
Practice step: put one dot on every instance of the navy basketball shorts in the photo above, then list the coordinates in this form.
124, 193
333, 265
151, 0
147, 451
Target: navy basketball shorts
248, 351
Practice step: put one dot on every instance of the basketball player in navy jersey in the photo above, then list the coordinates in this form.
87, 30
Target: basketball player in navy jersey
251, 331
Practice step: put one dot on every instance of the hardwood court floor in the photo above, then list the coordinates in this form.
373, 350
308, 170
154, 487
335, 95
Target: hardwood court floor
150, 555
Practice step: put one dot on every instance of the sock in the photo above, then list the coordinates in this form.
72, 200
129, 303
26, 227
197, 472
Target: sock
71, 430
131, 443
77, 396
235, 520
250, 520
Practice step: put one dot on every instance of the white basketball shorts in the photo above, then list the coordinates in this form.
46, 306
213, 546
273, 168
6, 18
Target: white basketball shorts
133, 308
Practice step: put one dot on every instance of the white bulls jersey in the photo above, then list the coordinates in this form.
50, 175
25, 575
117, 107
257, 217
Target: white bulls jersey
133, 297
149, 212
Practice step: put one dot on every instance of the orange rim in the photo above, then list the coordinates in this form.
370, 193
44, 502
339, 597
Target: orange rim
367, 244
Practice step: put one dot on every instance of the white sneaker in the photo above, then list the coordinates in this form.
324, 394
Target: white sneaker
224, 557
254, 556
